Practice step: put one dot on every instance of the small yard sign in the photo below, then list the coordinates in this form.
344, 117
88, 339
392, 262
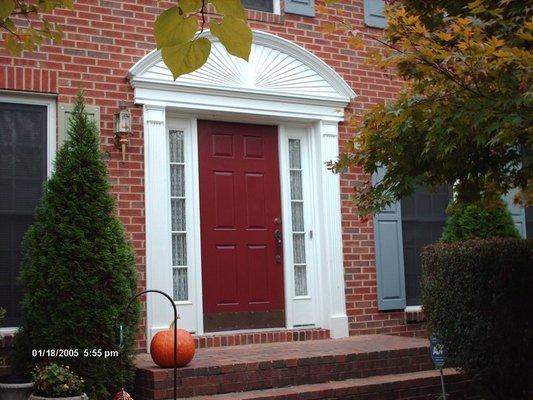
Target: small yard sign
437, 351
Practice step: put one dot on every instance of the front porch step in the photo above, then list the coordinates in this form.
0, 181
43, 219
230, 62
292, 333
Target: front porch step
260, 337
413, 385
275, 365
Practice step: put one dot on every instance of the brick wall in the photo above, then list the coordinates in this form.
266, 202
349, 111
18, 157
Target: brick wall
104, 38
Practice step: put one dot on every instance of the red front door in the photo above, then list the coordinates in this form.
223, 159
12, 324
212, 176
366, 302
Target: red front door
240, 207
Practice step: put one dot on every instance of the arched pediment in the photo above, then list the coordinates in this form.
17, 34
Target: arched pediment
277, 67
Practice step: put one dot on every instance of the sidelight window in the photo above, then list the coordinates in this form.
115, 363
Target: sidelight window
297, 218
177, 206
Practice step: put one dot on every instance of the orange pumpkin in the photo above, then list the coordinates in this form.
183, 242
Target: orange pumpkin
162, 348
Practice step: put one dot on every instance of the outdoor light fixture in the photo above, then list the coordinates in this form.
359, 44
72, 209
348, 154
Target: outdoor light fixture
122, 130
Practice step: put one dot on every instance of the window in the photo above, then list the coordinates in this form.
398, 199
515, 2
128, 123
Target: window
259, 5
297, 218
177, 207
23, 168
423, 218
403, 229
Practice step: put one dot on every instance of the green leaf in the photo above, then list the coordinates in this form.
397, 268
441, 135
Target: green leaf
235, 35
186, 57
172, 29
188, 6
6, 8
231, 8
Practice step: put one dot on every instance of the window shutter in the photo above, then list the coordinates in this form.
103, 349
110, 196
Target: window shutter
389, 255
518, 213
64, 114
375, 13
300, 7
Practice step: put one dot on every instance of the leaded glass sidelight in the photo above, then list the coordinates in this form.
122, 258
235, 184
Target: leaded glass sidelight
297, 217
178, 215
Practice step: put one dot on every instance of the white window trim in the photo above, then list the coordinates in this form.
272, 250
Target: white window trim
49, 101
276, 7
38, 99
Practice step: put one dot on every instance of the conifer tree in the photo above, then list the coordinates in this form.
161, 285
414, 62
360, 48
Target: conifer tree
79, 269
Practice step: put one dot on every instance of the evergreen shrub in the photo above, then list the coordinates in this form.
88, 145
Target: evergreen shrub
79, 269
474, 221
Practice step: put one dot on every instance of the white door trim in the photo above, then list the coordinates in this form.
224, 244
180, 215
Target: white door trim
325, 304
255, 92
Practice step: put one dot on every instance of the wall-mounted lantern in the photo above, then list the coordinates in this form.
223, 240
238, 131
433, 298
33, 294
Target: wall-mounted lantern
122, 129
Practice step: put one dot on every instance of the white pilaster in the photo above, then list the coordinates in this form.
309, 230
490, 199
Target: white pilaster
158, 273
334, 298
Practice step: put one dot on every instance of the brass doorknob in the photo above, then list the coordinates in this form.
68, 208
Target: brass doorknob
277, 235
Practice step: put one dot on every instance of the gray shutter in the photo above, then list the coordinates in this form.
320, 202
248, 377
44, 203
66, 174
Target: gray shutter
389, 255
300, 7
64, 114
518, 213
375, 13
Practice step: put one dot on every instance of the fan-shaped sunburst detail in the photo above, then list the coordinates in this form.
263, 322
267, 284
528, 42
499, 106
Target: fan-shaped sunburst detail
276, 66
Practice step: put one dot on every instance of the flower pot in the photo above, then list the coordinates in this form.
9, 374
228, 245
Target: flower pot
80, 397
15, 389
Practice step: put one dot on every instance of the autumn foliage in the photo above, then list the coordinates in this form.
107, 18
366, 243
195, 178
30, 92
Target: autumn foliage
464, 115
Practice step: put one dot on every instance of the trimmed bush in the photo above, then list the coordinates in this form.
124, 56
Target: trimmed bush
472, 221
477, 299
79, 269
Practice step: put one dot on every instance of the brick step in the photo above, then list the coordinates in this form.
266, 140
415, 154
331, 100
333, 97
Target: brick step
412, 385
273, 365
260, 337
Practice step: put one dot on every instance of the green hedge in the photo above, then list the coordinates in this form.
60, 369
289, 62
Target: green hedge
477, 296
472, 221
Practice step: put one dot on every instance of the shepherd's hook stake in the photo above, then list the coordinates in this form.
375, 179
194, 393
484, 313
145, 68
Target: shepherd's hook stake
121, 332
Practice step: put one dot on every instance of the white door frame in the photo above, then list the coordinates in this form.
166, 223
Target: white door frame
325, 304
307, 102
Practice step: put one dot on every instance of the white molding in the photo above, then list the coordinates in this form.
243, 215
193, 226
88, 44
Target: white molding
157, 223
317, 118
224, 74
202, 104
413, 309
334, 301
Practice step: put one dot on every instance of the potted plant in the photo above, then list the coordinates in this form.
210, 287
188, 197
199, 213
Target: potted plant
14, 386
55, 381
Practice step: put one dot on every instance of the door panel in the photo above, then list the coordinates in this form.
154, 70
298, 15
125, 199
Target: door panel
239, 202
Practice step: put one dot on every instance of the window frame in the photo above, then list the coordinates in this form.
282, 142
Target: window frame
50, 102
276, 8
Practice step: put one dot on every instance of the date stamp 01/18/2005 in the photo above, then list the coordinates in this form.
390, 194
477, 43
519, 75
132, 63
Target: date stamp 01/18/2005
64, 353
